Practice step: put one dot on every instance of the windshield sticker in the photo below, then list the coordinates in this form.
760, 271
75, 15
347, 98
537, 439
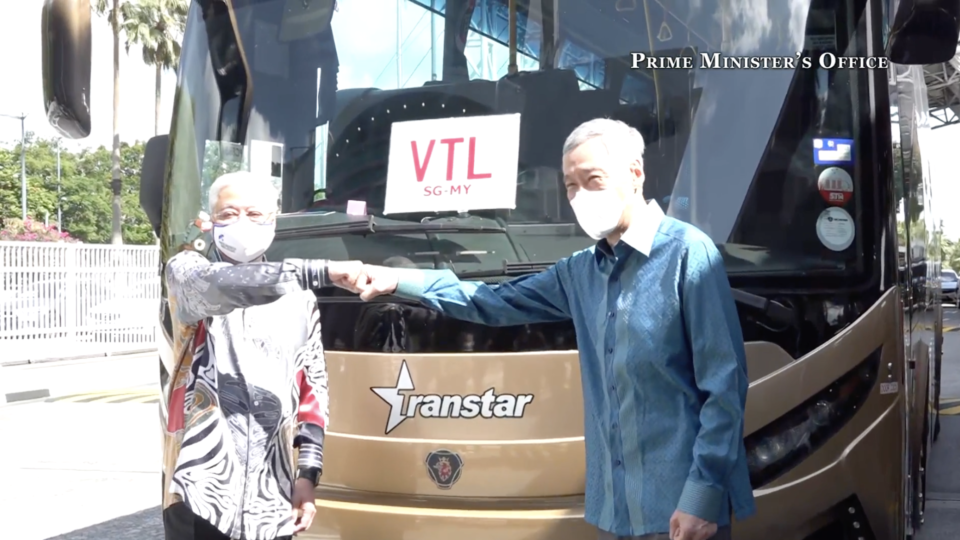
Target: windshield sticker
821, 30
453, 164
487, 405
266, 158
356, 208
835, 185
219, 158
832, 151
835, 229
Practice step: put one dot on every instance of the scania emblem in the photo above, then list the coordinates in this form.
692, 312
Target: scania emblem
444, 468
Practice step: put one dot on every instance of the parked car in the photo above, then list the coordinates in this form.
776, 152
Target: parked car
948, 286
42, 306
127, 308
39, 304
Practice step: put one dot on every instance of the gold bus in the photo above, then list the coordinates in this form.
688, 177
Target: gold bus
790, 132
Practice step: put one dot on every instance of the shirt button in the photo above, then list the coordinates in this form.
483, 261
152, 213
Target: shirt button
256, 403
616, 463
609, 350
614, 426
611, 315
613, 388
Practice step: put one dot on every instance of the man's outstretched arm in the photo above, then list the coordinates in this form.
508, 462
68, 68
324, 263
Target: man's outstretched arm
525, 300
201, 289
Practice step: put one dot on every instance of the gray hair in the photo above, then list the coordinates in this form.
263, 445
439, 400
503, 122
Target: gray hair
262, 184
617, 137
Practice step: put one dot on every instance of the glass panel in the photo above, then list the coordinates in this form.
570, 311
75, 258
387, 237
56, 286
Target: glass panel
306, 93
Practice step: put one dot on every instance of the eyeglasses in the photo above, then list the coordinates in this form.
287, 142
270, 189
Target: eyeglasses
231, 216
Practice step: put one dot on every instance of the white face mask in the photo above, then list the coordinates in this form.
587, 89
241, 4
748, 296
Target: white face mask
244, 240
598, 212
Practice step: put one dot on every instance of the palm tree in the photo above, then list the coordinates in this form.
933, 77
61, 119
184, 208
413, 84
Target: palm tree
156, 25
103, 7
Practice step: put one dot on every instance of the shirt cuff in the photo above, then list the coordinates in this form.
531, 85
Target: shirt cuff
409, 283
310, 474
310, 455
701, 501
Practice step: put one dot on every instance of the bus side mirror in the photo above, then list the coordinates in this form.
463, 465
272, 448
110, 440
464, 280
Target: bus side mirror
65, 34
924, 32
153, 170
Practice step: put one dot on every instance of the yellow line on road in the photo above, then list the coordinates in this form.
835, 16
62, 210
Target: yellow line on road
105, 396
128, 398
154, 398
952, 411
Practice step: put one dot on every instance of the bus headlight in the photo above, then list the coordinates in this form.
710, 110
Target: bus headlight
785, 442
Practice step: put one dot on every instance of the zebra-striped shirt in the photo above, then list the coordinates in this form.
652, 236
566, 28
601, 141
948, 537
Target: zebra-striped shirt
250, 386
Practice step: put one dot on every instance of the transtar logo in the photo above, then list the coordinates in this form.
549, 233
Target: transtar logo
486, 405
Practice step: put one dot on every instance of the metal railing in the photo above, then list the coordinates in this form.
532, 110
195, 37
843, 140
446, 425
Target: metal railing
76, 300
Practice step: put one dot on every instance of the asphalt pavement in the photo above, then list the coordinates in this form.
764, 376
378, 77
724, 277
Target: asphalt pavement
84, 463
76, 470
942, 513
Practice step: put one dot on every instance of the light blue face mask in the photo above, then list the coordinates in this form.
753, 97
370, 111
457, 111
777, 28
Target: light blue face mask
243, 241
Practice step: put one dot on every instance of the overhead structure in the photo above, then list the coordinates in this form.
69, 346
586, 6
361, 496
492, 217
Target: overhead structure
943, 92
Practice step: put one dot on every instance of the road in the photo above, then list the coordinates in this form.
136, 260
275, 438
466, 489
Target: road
86, 468
84, 465
942, 515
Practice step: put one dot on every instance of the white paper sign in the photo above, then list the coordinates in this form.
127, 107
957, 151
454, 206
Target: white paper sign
889, 388
453, 164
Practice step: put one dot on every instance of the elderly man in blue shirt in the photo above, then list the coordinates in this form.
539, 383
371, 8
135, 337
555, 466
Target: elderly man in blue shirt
661, 351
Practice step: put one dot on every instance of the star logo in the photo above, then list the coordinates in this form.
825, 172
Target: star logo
392, 396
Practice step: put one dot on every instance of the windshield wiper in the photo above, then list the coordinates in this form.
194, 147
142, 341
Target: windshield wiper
508, 269
372, 226
770, 308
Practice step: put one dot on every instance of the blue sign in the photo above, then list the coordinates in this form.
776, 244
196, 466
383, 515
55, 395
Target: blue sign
832, 151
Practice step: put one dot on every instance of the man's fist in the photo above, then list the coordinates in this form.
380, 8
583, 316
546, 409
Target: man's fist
378, 280
347, 275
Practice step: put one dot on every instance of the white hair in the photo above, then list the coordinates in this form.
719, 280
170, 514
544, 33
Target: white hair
616, 136
263, 184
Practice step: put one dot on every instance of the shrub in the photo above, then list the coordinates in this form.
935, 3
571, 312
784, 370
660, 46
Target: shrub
32, 231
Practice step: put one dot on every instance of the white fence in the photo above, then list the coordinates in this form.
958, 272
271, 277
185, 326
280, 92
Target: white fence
76, 300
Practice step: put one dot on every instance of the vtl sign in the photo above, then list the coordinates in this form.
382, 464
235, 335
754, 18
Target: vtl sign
420, 166
477, 148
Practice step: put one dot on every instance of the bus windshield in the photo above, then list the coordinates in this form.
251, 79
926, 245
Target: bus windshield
767, 162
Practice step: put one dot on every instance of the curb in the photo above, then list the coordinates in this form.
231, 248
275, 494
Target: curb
48, 360
42, 393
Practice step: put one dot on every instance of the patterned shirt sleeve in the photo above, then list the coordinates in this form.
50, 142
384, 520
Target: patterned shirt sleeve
314, 410
720, 371
203, 289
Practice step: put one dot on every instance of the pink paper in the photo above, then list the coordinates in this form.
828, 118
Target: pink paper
356, 208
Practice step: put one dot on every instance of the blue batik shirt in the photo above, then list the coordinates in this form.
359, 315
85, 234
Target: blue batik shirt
662, 363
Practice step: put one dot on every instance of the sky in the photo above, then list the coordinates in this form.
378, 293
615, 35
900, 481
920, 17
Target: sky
22, 93
21, 62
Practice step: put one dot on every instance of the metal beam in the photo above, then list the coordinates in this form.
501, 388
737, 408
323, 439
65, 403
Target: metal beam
943, 92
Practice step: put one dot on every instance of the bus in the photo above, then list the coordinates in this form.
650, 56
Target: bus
789, 132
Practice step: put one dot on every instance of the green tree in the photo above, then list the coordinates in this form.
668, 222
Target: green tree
84, 194
157, 26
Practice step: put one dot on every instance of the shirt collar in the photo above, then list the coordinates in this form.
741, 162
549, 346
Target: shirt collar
644, 224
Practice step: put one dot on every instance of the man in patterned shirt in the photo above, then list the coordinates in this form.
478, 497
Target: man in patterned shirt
250, 384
